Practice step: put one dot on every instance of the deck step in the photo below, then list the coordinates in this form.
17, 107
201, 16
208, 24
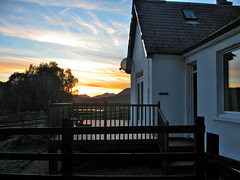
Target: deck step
180, 167
180, 145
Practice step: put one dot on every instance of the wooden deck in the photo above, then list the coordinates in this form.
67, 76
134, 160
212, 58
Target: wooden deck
105, 115
110, 142
108, 137
102, 115
124, 152
140, 127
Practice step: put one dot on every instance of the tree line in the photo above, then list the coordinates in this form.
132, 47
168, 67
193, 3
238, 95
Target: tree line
31, 90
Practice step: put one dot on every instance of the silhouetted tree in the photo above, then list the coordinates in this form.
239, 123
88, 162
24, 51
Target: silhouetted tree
31, 90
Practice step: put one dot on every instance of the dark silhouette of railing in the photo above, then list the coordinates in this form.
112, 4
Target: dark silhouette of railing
216, 165
67, 156
102, 115
105, 115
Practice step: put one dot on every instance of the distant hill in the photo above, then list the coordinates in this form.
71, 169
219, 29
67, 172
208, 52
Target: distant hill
106, 95
126, 91
81, 98
122, 97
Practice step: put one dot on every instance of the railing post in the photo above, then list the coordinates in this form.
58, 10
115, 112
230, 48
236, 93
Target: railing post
67, 138
199, 147
105, 125
105, 114
212, 148
159, 123
158, 106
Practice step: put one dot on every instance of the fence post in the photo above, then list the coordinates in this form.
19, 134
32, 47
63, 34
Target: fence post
67, 138
199, 147
53, 165
212, 148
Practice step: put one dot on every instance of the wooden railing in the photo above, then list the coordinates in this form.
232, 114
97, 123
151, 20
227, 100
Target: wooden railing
218, 166
110, 115
105, 115
67, 156
102, 115
163, 138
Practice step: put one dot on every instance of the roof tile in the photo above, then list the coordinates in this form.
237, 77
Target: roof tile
165, 30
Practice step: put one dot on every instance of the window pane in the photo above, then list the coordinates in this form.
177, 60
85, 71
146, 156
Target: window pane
231, 63
189, 14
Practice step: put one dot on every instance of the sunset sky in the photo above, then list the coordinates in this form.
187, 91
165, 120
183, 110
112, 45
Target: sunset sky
88, 36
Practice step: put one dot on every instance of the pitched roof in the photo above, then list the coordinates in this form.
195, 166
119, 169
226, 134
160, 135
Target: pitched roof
164, 28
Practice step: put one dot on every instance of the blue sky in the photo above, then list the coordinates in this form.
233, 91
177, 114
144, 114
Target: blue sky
88, 36
235, 2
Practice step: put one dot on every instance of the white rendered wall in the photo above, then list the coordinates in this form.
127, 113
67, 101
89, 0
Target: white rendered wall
140, 64
167, 74
168, 77
227, 127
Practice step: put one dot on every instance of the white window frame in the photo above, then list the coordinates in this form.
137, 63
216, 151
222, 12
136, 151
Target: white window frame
227, 116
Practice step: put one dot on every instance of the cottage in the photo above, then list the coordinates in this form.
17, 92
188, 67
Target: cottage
187, 56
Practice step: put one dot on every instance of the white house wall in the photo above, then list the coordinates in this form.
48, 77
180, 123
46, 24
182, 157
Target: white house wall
140, 64
168, 77
168, 74
227, 127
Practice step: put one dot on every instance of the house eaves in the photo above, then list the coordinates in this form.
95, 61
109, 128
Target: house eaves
132, 34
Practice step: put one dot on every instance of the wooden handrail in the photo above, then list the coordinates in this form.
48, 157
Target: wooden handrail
99, 104
176, 156
103, 130
98, 177
223, 161
162, 117
135, 114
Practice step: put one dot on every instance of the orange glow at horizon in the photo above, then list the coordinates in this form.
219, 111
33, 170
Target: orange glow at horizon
94, 91
95, 78
99, 78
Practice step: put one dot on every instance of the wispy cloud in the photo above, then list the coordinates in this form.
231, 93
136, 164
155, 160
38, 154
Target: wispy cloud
50, 36
9, 65
5, 50
85, 36
89, 5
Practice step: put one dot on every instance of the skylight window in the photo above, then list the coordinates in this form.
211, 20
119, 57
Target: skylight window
189, 14
190, 17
